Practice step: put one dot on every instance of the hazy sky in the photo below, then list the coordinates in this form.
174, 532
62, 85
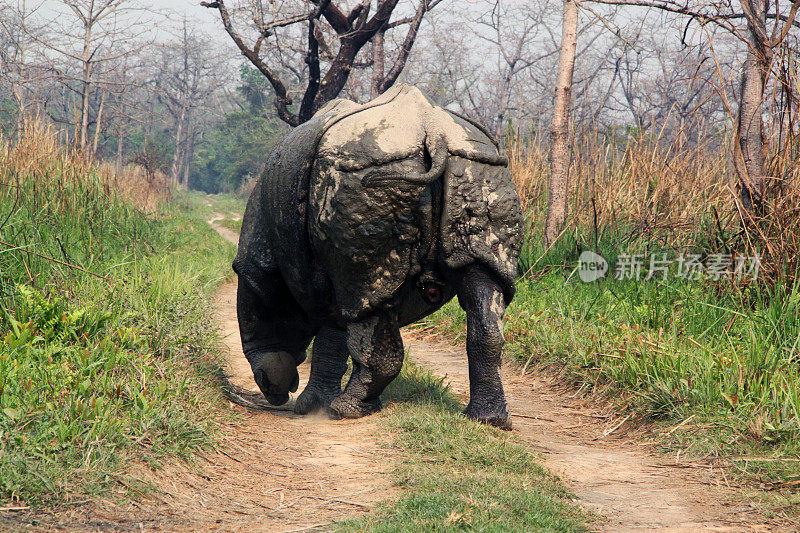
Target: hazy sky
191, 8
206, 19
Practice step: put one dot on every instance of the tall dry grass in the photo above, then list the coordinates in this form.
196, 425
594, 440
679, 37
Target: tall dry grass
133, 183
664, 193
39, 152
640, 181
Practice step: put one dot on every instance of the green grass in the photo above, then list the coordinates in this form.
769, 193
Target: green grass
231, 224
458, 475
725, 358
97, 373
204, 206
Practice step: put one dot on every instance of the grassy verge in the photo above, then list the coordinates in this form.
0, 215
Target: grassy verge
721, 360
457, 475
105, 340
719, 357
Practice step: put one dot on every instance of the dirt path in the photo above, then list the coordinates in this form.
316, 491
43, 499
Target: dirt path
633, 489
281, 472
274, 471
618, 479
278, 472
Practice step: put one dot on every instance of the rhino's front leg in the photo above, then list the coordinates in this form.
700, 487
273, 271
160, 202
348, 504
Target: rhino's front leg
328, 365
376, 348
481, 297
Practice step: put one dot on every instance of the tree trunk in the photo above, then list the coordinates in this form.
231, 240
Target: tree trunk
503, 97
748, 137
560, 143
84, 127
118, 161
98, 125
86, 81
188, 154
19, 96
378, 63
16, 88
177, 157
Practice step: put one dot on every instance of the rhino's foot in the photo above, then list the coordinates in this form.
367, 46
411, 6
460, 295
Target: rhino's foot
314, 398
347, 407
492, 414
276, 375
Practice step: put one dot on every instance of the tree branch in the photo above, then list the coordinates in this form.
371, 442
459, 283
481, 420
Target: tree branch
405, 48
351, 43
775, 41
282, 99
312, 60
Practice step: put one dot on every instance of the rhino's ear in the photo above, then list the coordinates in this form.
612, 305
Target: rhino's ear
435, 155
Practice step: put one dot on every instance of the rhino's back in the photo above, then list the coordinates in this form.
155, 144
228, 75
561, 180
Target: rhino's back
373, 239
338, 241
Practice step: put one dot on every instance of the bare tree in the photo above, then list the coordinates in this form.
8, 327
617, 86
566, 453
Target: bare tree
17, 66
476, 55
667, 84
500, 72
511, 30
749, 149
186, 77
333, 37
382, 79
101, 32
748, 140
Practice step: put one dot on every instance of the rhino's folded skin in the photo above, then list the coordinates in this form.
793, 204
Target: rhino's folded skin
361, 199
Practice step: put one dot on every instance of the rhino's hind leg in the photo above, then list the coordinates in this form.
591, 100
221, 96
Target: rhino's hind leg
328, 365
376, 348
481, 297
274, 339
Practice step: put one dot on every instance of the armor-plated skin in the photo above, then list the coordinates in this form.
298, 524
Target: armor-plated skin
367, 218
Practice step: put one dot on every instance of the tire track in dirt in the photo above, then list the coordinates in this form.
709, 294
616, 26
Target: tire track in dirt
634, 489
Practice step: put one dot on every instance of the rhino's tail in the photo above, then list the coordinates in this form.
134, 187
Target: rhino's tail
436, 147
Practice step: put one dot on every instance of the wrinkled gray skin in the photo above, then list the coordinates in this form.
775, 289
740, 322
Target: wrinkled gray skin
366, 219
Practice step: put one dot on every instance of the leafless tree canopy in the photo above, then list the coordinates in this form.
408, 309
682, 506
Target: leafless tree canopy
186, 77
118, 79
292, 43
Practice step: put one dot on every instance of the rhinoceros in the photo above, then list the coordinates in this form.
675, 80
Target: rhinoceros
365, 219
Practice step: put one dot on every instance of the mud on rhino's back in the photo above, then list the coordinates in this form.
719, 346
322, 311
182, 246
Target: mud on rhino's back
371, 238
